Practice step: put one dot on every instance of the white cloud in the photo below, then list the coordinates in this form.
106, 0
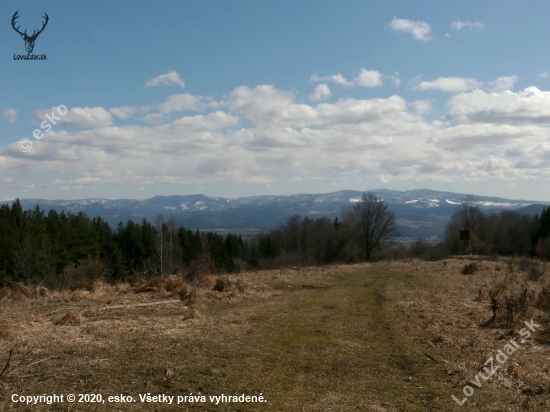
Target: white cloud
422, 106
365, 78
394, 78
263, 135
503, 83
169, 79
187, 101
10, 115
458, 25
449, 84
418, 29
544, 75
78, 116
155, 118
123, 112
335, 78
180, 102
369, 78
530, 106
322, 91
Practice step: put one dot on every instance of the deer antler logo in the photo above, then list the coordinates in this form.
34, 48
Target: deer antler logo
29, 40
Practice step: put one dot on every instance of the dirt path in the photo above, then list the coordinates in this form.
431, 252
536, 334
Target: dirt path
340, 348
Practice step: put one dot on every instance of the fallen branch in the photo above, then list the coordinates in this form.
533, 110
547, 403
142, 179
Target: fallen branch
7, 363
58, 310
431, 357
30, 364
134, 305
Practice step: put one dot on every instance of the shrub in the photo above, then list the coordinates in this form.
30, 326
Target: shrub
470, 269
83, 275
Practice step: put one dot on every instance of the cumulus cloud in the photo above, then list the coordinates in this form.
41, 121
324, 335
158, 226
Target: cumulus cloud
530, 106
262, 135
422, 106
369, 78
123, 112
335, 78
322, 91
449, 84
544, 75
459, 25
171, 78
10, 115
77, 116
418, 29
181, 102
503, 83
365, 78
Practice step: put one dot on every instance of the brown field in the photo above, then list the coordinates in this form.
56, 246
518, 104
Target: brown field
392, 336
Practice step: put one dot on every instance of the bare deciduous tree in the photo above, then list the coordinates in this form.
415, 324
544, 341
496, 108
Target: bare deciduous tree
172, 228
468, 214
160, 241
372, 223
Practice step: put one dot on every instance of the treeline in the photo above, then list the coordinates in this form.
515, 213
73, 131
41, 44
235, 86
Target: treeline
506, 233
304, 241
59, 249
43, 248
66, 249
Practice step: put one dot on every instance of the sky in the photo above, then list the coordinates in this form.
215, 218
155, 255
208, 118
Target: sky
244, 98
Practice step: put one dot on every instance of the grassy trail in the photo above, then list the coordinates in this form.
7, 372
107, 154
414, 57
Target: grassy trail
339, 348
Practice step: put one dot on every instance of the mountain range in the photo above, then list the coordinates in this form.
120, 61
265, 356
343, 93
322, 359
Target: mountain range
419, 213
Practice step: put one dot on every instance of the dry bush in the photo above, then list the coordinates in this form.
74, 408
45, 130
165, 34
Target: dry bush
173, 283
470, 269
241, 285
187, 292
225, 284
7, 332
534, 269
199, 268
222, 284
207, 282
240, 265
352, 259
70, 319
543, 298
155, 284
83, 275
510, 301
19, 292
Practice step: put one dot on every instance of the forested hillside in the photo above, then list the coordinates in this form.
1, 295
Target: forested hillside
71, 250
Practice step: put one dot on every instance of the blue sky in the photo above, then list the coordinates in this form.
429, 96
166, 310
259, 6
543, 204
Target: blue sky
240, 98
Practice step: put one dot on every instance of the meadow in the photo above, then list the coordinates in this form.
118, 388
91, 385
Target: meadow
401, 335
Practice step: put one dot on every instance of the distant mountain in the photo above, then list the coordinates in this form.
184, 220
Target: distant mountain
419, 213
531, 210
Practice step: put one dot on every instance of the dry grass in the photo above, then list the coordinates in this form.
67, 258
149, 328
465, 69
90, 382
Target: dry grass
397, 336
